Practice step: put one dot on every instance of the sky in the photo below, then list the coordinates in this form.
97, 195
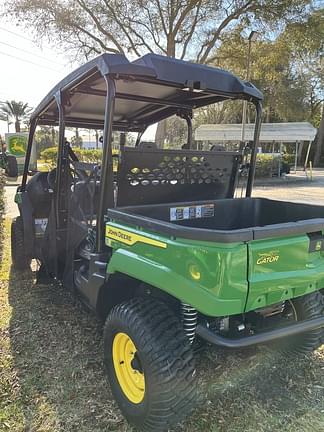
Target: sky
27, 72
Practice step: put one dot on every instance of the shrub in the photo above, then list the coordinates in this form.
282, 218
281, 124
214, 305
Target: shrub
49, 155
266, 164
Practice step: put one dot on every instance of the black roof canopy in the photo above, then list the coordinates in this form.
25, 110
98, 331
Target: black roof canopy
148, 89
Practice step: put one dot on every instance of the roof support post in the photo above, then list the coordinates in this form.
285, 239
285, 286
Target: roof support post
257, 129
59, 194
296, 155
307, 155
32, 128
106, 196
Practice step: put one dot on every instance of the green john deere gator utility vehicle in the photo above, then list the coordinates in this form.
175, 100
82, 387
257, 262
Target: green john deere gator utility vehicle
160, 248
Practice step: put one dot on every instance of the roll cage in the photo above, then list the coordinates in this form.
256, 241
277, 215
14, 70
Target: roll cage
111, 93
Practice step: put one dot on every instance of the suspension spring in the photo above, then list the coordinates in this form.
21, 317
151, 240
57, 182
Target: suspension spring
189, 320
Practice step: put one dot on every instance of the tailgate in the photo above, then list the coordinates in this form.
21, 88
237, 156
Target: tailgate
283, 268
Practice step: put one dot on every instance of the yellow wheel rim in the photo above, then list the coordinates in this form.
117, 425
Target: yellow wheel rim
127, 367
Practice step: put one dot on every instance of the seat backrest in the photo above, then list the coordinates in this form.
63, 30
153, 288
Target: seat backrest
152, 175
147, 145
85, 195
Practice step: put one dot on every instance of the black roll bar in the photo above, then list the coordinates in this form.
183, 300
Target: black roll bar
106, 194
33, 125
61, 150
257, 129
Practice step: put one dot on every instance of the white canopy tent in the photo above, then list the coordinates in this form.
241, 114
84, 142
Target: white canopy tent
270, 132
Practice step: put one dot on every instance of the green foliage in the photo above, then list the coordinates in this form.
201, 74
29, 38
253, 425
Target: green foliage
184, 29
18, 111
223, 112
266, 164
45, 137
49, 155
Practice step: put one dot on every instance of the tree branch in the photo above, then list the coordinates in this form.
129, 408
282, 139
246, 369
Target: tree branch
151, 33
156, 38
123, 28
99, 26
96, 39
208, 46
190, 6
191, 32
158, 4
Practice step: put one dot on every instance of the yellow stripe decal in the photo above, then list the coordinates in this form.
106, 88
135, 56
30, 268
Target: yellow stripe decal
130, 238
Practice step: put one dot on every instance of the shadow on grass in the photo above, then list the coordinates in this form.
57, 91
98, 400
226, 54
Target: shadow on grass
57, 352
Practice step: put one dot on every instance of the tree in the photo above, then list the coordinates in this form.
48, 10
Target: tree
189, 29
45, 137
18, 111
185, 29
306, 40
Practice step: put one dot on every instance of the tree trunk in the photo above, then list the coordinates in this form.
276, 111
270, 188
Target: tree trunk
77, 136
160, 133
97, 139
161, 128
53, 136
300, 153
17, 126
319, 140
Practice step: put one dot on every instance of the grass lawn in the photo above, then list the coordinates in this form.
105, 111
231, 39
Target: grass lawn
52, 379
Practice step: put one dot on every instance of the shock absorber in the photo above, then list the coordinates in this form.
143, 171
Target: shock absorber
189, 319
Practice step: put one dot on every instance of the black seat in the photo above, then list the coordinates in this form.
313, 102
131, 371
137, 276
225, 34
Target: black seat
85, 196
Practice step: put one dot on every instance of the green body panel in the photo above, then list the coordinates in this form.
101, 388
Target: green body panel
234, 278
222, 286
293, 272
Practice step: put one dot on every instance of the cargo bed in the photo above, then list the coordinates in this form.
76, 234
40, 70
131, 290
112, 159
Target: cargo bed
225, 220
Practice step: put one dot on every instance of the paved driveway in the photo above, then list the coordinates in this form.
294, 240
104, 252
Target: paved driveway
10, 191
307, 191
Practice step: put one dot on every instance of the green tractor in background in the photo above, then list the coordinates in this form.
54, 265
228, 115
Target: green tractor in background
8, 161
13, 153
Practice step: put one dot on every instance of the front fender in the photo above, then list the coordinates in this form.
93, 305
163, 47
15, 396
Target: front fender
166, 279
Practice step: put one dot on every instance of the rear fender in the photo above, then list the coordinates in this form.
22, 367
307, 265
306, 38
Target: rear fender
164, 278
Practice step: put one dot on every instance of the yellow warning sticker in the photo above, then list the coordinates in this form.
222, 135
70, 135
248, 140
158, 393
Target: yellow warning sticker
130, 238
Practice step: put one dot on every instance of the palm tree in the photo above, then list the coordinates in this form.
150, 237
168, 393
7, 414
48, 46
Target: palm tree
18, 111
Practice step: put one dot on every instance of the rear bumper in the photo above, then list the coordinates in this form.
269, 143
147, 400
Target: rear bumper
291, 330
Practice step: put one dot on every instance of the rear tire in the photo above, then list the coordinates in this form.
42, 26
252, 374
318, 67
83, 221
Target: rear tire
305, 308
11, 166
164, 390
19, 259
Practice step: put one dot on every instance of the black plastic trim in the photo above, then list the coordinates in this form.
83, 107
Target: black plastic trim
288, 229
291, 330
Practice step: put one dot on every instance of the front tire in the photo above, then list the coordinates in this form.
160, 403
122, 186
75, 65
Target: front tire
150, 364
19, 258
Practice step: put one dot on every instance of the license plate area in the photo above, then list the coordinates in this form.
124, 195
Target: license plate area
316, 242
